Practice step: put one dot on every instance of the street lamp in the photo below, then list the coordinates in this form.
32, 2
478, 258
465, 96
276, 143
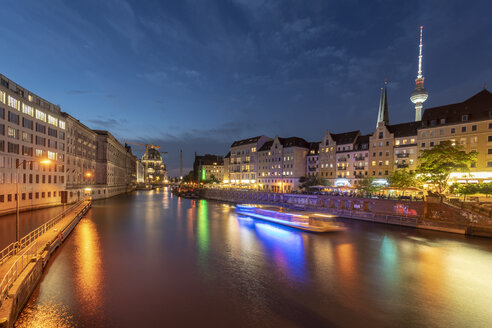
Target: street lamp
44, 161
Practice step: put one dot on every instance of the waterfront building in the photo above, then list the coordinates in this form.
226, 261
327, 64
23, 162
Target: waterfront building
208, 168
468, 124
31, 128
243, 168
80, 159
225, 175
406, 148
140, 172
115, 165
312, 159
281, 163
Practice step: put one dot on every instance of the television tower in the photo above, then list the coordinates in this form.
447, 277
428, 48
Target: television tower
419, 95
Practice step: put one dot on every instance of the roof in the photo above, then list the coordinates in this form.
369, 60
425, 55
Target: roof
209, 159
345, 138
266, 146
245, 141
228, 155
152, 154
314, 145
362, 140
404, 129
477, 107
294, 142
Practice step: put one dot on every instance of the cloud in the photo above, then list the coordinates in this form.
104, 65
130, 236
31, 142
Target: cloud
107, 123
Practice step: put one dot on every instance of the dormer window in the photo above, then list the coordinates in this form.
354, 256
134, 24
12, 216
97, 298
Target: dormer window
433, 122
443, 121
380, 135
464, 118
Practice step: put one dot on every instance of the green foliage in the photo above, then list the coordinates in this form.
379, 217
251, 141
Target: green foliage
310, 181
367, 186
437, 163
471, 189
403, 178
190, 177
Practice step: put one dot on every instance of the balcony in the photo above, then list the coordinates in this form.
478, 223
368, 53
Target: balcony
312, 169
402, 165
359, 158
358, 167
342, 159
341, 168
402, 155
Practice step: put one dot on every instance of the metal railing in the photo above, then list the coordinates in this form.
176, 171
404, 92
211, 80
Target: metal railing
16, 269
25, 241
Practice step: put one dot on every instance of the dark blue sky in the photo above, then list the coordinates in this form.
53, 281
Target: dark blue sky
199, 74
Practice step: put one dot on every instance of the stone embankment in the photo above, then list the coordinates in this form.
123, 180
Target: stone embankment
20, 271
432, 215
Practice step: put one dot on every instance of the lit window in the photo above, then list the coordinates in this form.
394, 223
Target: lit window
38, 153
412, 140
52, 155
52, 120
397, 142
26, 109
40, 115
2, 97
14, 103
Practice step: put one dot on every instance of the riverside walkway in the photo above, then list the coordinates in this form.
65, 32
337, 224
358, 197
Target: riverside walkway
19, 260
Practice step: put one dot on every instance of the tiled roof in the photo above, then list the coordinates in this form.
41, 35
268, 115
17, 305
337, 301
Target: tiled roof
228, 155
345, 138
477, 107
266, 146
404, 129
245, 141
314, 145
294, 142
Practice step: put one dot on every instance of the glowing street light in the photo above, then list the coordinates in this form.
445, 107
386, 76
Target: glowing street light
44, 161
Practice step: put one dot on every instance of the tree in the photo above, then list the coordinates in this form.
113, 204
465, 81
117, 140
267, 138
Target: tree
190, 177
402, 178
310, 181
367, 186
436, 164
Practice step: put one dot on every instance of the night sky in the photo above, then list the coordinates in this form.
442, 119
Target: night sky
198, 75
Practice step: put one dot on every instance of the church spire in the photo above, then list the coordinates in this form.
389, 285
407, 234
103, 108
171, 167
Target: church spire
419, 95
383, 115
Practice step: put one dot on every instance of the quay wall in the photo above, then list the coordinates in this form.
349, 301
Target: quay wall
430, 214
21, 290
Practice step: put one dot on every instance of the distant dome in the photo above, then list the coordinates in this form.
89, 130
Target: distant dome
152, 155
419, 95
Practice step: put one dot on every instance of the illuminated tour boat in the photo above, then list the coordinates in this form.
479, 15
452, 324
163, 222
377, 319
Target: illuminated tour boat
307, 221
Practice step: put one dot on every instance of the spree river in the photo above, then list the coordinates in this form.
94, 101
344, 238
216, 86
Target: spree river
151, 259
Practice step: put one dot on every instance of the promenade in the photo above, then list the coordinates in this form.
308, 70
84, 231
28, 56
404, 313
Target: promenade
21, 267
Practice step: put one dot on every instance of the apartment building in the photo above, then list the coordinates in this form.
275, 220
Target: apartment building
208, 168
31, 129
312, 159
468, 124
281, 163
225, 175
80, 158
243, 168
115, 165
406, 150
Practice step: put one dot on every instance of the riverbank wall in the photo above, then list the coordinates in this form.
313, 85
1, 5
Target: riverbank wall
431, 215
22, 287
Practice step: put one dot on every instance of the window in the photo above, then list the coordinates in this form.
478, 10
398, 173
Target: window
443, 121
62, 136
433, 122
474, 128
490, 139
2, 129
441, 131
380, 136
490, 125
463, 129
464, 118
40, 115
453, 130
27, 137
52, 132
53, 156
397, 142
14, 103
490, 151
14, 118
432, 144
13, 133
52, 120
40, 128
40, 141
26, 109
2, 97
13, 148
489, 164
423, 145
424, 134
27, 123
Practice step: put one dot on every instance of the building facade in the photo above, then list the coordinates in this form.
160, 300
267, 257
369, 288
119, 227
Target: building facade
281, 163
209, 168
31, 129
312, 159
243, 166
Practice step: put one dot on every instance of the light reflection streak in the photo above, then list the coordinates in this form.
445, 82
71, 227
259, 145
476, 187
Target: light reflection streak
88, 273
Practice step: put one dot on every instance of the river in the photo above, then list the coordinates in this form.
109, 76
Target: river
151, 259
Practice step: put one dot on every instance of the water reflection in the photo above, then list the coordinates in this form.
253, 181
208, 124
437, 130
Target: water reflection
89, 272
208, 267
